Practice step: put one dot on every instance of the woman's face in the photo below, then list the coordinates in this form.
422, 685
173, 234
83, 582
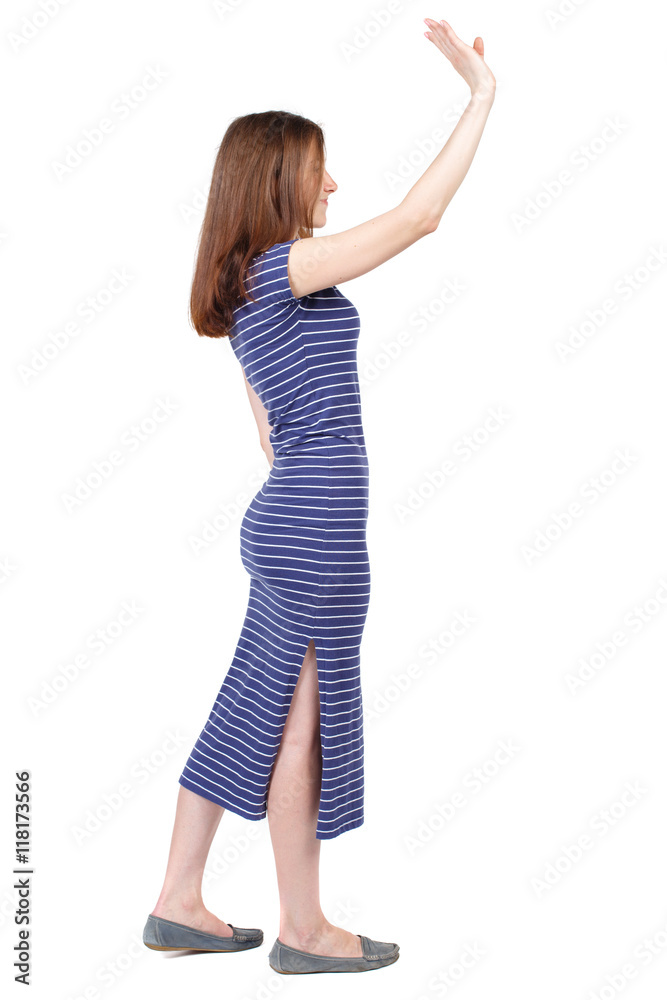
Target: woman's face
321, 191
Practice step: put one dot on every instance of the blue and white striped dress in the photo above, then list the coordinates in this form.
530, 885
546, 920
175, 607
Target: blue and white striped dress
303, 543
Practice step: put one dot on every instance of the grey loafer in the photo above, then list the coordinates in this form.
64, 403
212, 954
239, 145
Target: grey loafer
166, 935
288, 960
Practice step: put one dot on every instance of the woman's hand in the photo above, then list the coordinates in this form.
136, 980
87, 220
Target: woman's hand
466, 60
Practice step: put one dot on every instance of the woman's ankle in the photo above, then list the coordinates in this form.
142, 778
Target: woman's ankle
184, 900
304, 930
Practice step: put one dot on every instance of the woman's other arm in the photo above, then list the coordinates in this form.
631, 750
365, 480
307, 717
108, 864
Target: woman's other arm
261, 418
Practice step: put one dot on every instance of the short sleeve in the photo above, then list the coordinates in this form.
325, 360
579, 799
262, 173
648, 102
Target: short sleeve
269, 279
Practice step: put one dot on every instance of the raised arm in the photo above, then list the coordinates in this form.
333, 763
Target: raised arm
322, 261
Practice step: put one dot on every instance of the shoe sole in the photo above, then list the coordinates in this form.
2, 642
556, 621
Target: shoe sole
217, 951
311, 972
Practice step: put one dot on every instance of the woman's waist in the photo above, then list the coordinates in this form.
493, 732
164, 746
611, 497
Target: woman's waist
322, 469
332, 448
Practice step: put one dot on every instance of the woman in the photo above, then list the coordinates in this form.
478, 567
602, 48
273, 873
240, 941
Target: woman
285, 735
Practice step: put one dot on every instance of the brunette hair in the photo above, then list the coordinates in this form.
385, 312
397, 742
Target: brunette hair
258, 197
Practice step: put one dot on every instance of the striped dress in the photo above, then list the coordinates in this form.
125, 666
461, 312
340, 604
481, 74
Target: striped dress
303, 544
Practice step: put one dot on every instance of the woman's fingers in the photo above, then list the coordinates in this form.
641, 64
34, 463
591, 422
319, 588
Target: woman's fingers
437, 35
467, 60
443, 36
442, 29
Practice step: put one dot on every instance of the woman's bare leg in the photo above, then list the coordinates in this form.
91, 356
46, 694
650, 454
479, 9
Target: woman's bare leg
197, 819
293, 804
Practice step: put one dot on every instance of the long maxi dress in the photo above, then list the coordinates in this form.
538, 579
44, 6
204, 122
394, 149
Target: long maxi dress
303, 544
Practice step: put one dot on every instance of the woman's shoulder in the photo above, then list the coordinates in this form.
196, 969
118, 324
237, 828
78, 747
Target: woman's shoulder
267, 275
274, 252
267, 280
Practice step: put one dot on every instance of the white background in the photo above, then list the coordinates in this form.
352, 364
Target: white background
493, 878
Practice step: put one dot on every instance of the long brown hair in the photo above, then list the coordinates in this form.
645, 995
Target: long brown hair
259, 195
